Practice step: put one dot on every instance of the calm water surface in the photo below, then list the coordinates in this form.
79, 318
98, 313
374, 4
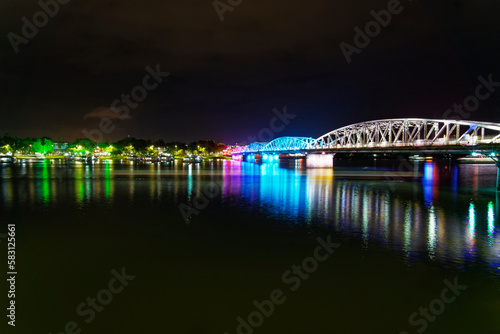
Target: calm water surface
400, 234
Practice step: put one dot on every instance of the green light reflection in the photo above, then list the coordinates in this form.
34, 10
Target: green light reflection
79, 185
45, 184
107, 181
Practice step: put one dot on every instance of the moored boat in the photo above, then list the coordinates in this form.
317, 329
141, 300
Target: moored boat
193, 159
32, 158
476, 160
6, 159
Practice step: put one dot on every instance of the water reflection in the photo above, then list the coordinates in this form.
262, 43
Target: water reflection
107, 181
426, 219
432, 234
472, 226
430, 182
445, 216
491, 221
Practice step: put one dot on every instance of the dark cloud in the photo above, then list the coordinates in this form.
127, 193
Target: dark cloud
226, 77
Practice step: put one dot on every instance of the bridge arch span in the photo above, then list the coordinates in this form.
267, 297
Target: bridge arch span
254, 147
410, 132
289, 144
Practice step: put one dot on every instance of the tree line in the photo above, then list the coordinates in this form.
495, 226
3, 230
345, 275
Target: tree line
127, 146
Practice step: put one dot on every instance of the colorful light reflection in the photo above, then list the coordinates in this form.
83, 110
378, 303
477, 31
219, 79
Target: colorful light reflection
491, 220
430, 182
431, 238
472, 223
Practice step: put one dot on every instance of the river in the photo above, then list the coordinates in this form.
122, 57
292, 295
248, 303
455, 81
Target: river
208, 244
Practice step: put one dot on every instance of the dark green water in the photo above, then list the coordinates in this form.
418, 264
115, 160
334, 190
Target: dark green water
400, 239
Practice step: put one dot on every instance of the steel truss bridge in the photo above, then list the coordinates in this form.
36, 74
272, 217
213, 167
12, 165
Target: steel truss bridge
404, 135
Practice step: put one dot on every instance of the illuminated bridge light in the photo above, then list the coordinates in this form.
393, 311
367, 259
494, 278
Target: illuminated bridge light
413, 130
408, 132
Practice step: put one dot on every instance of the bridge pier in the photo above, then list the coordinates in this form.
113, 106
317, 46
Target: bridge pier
319, 160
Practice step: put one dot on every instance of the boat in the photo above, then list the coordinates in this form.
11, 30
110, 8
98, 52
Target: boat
90, 159
6, 159
37, 157
83, 159
476, 160
135, 158
418, 158
166, 158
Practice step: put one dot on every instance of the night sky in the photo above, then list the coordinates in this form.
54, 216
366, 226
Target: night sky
226, 77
